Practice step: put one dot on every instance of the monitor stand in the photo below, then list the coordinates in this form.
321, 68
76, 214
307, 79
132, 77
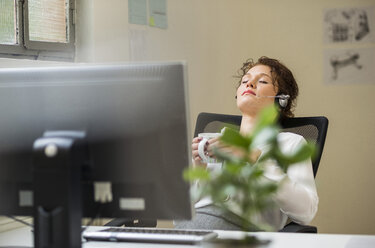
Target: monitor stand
58, 157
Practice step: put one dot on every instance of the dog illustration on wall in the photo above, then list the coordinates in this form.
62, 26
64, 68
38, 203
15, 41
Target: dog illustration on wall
338, 63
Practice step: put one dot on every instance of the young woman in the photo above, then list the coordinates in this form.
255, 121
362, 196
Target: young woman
262, 83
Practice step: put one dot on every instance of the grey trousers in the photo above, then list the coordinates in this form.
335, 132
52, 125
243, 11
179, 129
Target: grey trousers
211, 218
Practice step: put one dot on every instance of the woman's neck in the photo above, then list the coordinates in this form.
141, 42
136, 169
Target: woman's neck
247, 124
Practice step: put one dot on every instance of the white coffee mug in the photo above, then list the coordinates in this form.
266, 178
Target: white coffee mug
202, 154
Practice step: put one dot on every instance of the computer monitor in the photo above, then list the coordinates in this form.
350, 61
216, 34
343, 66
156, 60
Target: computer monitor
121, 130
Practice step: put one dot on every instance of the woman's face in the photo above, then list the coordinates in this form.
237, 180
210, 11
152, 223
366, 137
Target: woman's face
255, 85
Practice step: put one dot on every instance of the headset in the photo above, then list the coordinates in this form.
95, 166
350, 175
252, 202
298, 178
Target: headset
281, 100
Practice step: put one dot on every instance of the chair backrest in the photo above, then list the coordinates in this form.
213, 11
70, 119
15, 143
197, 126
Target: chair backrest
313, 129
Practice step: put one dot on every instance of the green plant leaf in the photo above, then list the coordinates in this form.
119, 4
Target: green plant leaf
234, 138
233, 168
268, 116
196, 173
266, 135
303, 152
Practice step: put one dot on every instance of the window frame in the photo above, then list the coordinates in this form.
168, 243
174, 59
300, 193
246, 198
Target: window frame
38, 50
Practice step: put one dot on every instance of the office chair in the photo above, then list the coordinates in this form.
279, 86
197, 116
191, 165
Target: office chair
313, 129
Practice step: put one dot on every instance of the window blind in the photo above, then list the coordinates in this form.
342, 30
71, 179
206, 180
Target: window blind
8, 22
48, 20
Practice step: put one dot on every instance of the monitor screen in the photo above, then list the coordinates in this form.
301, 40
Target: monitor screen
134, 118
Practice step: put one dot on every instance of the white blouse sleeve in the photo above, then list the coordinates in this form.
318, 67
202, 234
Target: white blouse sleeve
297, 196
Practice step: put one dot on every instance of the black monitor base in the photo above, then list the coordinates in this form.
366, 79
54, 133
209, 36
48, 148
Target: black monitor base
58, 158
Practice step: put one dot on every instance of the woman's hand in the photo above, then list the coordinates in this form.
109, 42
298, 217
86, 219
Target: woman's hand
194, 151
208, 149
215, 143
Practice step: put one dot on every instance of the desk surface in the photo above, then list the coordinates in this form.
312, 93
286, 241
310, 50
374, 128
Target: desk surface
23, 237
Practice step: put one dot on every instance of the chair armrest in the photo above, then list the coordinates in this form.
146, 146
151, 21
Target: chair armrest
297, 228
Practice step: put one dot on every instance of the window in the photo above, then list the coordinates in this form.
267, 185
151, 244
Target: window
37, 29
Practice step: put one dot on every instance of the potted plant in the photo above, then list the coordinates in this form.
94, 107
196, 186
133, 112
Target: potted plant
241, 178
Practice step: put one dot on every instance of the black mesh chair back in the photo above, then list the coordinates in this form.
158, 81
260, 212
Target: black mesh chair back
313, 129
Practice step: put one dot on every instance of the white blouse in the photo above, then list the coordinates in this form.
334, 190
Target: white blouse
296, 197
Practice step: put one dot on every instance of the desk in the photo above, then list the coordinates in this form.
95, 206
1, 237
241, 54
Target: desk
23, 237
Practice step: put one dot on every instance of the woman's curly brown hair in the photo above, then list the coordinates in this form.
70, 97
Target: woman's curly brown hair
282, 77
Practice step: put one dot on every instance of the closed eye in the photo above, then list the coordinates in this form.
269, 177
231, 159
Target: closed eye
245, 82
263, 82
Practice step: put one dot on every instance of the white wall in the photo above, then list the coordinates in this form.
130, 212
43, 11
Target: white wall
215, 37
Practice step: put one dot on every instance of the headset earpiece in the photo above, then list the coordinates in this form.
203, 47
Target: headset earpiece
282, 100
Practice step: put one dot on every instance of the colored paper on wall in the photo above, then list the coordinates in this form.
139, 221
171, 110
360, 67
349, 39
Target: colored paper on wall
137, 10
158, 13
